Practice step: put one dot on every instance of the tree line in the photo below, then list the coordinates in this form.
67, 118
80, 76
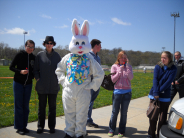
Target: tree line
108, 57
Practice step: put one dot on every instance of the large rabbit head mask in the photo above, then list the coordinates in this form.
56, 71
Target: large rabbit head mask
80, 44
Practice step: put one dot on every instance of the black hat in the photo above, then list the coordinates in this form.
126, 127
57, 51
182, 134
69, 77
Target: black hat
49, 38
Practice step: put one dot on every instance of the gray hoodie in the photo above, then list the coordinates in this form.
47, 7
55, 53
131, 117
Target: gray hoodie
44, 70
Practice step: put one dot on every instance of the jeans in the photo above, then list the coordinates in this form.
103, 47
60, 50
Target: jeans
122, 100
42, 109
93, 97
175, 89
22, 95
162, 119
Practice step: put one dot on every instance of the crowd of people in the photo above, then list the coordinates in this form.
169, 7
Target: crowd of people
46, 67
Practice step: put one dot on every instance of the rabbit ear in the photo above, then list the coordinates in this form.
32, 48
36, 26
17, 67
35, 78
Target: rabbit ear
85, 28
75, 27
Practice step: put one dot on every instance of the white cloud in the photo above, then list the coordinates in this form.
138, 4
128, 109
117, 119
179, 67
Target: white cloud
64, 26
100, 22
42, 39
91, 23
118, 21
2, 32
31, 31
16, 31
46, 16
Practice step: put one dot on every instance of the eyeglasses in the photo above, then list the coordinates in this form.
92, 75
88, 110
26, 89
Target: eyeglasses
49, 43
30, 47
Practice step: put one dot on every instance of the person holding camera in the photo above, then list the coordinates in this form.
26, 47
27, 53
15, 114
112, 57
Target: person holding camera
122, 93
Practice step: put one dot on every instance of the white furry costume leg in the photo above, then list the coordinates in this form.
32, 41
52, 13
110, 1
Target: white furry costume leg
76, 107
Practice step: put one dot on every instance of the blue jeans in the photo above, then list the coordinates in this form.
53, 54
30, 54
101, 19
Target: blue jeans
122, 100
93, 97
22, 95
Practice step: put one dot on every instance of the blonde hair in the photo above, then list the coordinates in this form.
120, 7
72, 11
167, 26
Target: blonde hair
121, 53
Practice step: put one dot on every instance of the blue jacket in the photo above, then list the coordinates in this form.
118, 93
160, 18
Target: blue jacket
162, 81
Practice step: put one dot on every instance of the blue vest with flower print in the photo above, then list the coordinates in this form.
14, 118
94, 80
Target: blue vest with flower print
77, 68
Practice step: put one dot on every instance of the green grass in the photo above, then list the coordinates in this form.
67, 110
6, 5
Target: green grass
5, 72
141, 85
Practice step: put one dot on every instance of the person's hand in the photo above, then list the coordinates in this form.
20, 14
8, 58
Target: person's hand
24, 72
156, 97
37, 80
172, 83
176, 82
122, 66
127, 61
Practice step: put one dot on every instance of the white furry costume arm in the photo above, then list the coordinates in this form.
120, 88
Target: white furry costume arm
97, 72
61, 69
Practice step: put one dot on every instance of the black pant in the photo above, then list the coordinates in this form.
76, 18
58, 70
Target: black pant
175, 89
52, 110
162, 119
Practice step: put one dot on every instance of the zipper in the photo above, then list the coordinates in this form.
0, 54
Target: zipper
28, 71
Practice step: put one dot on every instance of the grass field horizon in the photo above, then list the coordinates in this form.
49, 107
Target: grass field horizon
141, 85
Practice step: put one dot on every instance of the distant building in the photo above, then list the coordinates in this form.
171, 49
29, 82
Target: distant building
146, 66
105, 68
4, 62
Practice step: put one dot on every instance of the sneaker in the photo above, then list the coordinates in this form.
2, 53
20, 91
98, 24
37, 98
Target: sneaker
92, 125
26, 130
120, 135
52, 130
40, 130
67, 136
110, 134
20, 131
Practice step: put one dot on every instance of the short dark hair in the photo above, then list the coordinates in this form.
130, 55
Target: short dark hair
178, 52
30, 41
95, 42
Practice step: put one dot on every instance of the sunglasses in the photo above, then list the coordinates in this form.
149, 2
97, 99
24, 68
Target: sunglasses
30, 47
49, 43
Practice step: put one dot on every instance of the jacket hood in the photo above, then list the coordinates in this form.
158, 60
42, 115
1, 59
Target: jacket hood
162, 65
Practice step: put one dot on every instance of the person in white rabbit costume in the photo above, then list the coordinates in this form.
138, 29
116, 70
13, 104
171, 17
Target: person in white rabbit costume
79, 66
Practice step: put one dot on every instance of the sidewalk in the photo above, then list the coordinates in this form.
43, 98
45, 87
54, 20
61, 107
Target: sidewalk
137, 123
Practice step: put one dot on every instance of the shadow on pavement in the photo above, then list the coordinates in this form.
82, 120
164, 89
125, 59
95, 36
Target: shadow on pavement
58, 134
130, 132
46, 134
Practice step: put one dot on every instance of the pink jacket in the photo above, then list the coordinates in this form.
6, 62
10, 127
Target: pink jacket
122, 76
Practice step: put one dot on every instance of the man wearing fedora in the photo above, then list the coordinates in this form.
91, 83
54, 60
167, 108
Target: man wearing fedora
47, 85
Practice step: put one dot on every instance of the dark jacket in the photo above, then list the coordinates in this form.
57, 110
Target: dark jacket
180, 71
44, 70
162, 80
23, 61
